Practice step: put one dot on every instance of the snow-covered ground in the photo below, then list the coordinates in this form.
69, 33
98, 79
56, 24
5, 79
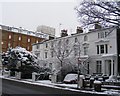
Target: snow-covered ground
72, 87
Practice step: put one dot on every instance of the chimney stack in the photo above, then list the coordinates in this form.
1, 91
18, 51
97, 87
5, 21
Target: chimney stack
79, 30
64, 33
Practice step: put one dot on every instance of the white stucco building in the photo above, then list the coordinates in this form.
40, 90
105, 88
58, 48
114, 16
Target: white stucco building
98, 51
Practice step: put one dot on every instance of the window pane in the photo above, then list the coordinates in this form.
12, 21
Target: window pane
51, 44
85, 38
75, 39
37, 46
67, 41
98, 35
102, 34
28, 40
85, 50
75, 51
46, 45
9, 36
19, 38
97, 49
45, 54
52, 54
106, 48
102, 48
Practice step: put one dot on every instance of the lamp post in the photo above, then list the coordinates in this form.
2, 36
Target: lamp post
79, 62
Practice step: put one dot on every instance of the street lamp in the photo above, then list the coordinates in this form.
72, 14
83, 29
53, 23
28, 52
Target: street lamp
79, 62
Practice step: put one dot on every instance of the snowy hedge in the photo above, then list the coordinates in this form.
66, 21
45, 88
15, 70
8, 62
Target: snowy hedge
19, 59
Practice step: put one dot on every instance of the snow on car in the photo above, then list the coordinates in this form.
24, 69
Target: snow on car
70, 78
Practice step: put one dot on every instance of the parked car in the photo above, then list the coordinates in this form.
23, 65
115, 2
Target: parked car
70, 78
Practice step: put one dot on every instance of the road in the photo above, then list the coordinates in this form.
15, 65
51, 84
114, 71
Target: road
14, 88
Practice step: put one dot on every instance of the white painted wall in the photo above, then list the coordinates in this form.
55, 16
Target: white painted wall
92, 42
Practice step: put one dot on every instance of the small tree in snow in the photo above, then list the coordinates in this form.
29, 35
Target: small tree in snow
21, 60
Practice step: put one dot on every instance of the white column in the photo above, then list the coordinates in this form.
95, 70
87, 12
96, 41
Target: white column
112, 66
103, 66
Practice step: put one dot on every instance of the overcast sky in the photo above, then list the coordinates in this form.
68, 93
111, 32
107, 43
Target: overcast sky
29, 15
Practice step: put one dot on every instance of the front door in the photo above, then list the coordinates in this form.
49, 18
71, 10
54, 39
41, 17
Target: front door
108, 67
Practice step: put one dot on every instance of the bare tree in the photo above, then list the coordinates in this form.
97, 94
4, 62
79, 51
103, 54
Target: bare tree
105, 12
62, 50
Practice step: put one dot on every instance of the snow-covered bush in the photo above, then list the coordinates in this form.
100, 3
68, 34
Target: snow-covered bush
45, 72
19, 59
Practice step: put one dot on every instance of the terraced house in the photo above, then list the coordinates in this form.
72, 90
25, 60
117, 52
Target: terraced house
12, 37
97, 51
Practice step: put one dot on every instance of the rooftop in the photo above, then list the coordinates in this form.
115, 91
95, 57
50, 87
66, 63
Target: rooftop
24, 31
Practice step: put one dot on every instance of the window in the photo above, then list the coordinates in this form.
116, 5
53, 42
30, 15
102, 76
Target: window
9, 36
51, 44
75, 52
37, 41
19, 38
46, 45
85, 50
2, 43
85, 38
102, 34
28, 39
106, 48
101, 49
9, 44
98, 66
45, 54
67, 41
59, 43
76, 39
52, 54
98, 51
106, 33
28, 48
98, 35
37, 46
50, 66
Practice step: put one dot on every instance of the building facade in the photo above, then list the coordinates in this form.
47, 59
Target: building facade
97, 51
12, 37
